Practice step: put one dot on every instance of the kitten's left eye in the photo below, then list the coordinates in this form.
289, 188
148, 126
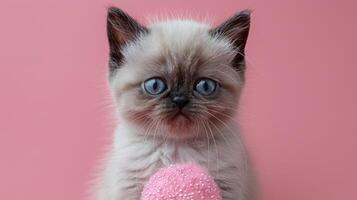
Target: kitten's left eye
205, 86
154, 86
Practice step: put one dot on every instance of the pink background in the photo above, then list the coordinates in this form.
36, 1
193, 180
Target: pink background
298, 112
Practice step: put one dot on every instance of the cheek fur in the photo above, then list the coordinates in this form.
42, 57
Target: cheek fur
135, 106
219, 110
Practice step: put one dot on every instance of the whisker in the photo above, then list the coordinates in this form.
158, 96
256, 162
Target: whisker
219, 112
208, 146
215, 145
220, 132
223, 123
217, 106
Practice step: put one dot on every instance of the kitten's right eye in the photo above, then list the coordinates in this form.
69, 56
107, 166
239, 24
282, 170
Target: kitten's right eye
154, 86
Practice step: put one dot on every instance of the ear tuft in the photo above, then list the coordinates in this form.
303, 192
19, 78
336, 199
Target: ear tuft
121, 29
236, 29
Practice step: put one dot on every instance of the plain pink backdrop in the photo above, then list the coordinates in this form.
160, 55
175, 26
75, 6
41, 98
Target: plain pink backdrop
298, 110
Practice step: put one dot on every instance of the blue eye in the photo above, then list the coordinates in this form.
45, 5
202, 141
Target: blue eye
205, 86
154, 86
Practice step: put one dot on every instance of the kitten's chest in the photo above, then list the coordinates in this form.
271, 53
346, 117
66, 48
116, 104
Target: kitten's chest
137, 160
148, 158
172, 153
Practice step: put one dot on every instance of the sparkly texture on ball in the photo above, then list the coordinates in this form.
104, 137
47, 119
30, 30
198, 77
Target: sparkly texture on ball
181, 182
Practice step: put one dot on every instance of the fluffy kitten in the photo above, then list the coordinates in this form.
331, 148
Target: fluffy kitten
176, 86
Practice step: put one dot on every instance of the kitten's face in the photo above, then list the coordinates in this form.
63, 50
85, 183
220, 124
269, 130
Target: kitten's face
176, 79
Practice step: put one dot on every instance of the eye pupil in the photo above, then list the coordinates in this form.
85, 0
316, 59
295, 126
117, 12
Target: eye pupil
206, 86
154, 86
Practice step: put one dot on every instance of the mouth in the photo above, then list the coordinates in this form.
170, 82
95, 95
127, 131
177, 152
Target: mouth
179, 116
180, 113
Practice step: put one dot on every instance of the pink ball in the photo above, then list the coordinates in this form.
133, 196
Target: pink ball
181, 182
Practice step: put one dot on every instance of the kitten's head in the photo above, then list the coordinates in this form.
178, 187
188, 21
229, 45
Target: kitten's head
176, 79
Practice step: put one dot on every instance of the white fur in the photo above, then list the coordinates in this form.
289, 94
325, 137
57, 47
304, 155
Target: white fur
133, 157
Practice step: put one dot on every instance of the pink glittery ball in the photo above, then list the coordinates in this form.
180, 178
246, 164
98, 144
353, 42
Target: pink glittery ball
181, 182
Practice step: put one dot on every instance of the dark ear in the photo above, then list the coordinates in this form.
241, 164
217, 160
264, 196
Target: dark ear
121, 28
236, 29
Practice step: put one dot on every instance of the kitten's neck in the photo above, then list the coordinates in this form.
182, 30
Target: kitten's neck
224, 134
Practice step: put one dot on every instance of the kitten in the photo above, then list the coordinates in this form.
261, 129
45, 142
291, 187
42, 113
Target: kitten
176, 86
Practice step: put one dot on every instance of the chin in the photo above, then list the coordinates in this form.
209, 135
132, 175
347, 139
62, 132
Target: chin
180, 125
169, 124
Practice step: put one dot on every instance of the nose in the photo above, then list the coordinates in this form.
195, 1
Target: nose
180, 101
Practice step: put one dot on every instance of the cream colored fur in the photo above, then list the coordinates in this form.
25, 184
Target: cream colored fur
135, 155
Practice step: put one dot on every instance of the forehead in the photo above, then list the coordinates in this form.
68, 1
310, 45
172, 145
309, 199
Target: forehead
179, 48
